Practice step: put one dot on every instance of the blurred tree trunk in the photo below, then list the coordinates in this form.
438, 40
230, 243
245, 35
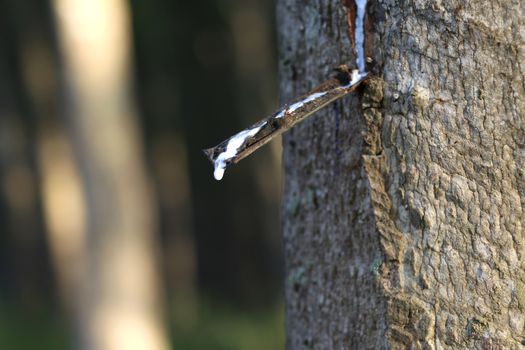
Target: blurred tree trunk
403, 204
120, 291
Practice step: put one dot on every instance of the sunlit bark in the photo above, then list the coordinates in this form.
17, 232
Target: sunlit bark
120, 292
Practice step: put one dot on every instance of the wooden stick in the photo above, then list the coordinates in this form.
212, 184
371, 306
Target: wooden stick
249, 140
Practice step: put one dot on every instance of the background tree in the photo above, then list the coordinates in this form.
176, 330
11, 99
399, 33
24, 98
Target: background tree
403, 204
118, 303
116, 118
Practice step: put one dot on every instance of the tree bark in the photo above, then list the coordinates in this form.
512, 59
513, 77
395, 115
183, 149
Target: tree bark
403, 204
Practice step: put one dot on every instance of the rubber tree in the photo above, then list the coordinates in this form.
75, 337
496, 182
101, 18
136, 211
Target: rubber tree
403, 203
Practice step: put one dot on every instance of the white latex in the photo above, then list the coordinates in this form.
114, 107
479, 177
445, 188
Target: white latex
360, 34
231, 150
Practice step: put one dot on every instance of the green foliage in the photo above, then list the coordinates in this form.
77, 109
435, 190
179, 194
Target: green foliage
195, 326
24, 330
214, 325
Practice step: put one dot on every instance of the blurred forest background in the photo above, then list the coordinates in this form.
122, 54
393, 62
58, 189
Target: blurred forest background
113, 232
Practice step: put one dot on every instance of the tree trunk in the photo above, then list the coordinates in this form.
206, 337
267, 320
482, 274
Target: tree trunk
403, 204
120, 290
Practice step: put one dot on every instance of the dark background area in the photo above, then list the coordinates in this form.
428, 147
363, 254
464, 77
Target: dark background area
202, 71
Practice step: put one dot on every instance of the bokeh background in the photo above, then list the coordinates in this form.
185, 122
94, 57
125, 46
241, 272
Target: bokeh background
113, 232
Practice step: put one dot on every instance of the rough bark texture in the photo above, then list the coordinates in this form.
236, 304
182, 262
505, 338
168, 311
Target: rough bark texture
403, 204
